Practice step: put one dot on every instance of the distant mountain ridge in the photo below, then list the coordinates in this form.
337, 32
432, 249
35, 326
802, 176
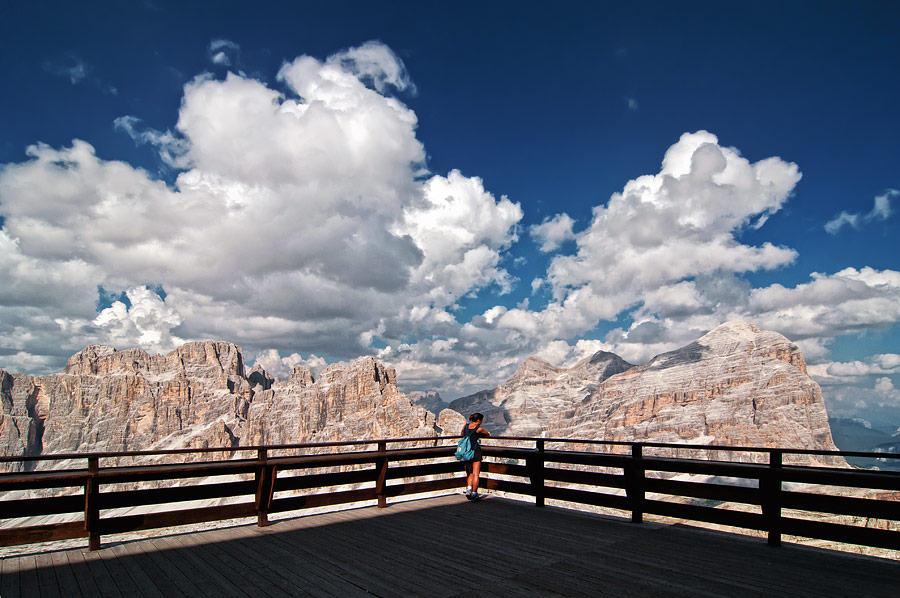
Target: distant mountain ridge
855, 435
737, 385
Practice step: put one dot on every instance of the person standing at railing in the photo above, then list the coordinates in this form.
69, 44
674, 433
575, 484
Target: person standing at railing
474, 432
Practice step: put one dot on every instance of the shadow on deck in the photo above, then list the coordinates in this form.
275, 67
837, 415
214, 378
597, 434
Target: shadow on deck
448, 547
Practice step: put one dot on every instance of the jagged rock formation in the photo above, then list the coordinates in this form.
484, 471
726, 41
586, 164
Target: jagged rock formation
348, 402
538, 392
198, 396
737, 385
20, 428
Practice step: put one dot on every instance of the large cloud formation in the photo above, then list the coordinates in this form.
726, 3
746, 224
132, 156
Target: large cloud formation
658, 242
304, 225
296, 221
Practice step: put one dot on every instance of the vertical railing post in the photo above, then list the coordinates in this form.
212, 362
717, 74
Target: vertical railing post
770, 487
634, 483
381, 467
265, 487
535, 466
91, 504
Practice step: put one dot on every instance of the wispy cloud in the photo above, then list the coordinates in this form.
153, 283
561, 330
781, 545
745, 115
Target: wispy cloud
77, 71
224, 52
881, 211
172, 148
70, 67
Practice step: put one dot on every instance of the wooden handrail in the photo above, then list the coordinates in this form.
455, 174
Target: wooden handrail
433, 439
336, 478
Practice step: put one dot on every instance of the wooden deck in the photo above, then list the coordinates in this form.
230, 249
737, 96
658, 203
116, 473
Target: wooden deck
449, 547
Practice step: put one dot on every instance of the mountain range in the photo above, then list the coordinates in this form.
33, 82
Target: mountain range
736, 385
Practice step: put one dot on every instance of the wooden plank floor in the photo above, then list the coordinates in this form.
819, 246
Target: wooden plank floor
449, 547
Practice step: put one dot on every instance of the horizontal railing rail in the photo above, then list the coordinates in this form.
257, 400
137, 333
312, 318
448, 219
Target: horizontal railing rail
101, 496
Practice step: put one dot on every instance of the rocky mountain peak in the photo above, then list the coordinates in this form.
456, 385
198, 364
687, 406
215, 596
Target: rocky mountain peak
198, 396
259, 377
737, 385
601, 365
530, 399
535, 367
86, 361
301, 376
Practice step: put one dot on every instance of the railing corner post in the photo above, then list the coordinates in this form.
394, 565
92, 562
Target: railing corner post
634, 483
535, 465
265, 487
771, 497
381, 467
91, 504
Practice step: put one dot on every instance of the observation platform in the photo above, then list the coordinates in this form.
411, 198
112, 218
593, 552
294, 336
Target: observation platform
447, 546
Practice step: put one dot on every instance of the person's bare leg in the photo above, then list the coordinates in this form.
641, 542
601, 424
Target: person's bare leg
473, 478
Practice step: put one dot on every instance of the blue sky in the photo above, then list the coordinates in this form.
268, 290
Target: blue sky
453, 186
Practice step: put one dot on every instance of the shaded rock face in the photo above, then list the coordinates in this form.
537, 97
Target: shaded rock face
537, 393
21, 428
197, 396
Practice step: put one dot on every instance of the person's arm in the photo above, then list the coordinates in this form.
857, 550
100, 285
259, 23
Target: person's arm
483, 432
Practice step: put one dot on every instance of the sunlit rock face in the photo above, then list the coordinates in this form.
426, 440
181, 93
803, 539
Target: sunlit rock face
737, 385
198, 396
107, 400
354, 401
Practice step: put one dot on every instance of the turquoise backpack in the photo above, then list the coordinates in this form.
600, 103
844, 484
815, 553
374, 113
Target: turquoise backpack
464, 450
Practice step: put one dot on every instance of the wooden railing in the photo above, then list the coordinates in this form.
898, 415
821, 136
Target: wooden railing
763, 490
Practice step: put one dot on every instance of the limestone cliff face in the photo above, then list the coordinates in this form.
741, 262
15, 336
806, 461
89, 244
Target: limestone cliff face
737, 385
351, 401
538, 392
197, 396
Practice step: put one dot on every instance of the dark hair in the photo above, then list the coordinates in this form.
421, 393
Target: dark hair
475, 417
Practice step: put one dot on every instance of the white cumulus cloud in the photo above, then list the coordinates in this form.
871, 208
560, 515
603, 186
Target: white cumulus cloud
552, 232
146, 323
300, 220
663, 230
885, 389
